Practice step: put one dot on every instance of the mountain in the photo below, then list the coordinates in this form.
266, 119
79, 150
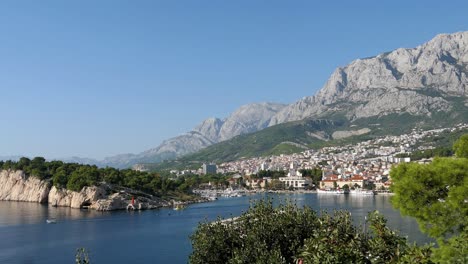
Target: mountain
391, 93
246, 119
419, 81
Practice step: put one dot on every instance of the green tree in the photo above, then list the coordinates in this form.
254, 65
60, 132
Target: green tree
346, 187
77, 181
315, 174
436, 194
265, 234
60, 179
23, 163
461, 147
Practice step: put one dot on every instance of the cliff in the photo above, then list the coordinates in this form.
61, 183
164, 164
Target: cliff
103, 198
17, 186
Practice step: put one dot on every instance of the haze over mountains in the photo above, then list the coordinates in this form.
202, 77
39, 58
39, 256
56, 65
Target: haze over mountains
247, 119
422, 81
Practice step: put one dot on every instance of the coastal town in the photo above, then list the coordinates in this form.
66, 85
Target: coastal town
364, 165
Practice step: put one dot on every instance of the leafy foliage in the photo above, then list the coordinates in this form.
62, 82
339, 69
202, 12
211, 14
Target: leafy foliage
75, 176
82, 256
265, 234
436, 195
315, 174
461, 147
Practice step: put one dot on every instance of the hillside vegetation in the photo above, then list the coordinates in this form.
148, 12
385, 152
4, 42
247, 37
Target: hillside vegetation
297, 136
74, 176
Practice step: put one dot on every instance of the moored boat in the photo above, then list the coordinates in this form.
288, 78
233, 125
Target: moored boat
330, 191
362, 192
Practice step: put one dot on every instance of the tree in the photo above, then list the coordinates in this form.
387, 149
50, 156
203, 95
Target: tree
265, 234
76, 182
60, 179
346, 187
315, 174
436, 195
461, 147
369, 186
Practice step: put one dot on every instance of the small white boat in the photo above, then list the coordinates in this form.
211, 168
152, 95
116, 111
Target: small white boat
363, 192
329, 191
51, 221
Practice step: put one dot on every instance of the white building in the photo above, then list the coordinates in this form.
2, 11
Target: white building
295, 180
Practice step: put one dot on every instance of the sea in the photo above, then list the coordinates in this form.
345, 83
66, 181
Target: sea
153, 236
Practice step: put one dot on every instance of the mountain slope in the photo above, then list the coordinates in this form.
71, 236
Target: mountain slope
391, 93
403, 80
246, 119
423, 86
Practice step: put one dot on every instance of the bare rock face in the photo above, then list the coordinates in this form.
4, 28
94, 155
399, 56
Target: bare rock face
86, 197
417, 81
16, 186
248, 119
97, 198
350, 133
120, 201
210, 128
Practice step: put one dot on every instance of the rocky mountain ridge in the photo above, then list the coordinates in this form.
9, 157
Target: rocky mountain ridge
423, 81
246, 119
418, 81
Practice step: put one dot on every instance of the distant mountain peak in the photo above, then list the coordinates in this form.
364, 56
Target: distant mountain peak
246, 119
418, 81
392, 82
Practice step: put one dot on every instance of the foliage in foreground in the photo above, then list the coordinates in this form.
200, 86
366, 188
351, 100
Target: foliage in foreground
81, 256
436, 194
265, 234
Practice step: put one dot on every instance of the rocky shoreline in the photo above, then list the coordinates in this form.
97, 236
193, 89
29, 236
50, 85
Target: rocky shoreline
17, 186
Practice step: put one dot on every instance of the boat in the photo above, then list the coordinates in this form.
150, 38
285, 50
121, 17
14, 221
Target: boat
362, 192
51, 221
329, 191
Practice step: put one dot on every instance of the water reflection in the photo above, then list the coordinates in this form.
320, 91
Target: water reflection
158, 236
23, 213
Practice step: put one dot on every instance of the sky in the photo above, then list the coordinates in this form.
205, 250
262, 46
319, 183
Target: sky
98, 78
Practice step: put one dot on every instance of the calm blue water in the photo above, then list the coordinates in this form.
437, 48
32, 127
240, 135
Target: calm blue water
157, 236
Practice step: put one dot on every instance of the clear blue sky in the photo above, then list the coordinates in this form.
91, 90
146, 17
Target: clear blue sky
98, 78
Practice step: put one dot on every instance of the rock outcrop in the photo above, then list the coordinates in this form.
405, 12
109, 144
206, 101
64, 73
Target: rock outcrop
16, 186
102, 199
350, 133
86, 197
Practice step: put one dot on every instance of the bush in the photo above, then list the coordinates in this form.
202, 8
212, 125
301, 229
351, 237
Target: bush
265, 234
